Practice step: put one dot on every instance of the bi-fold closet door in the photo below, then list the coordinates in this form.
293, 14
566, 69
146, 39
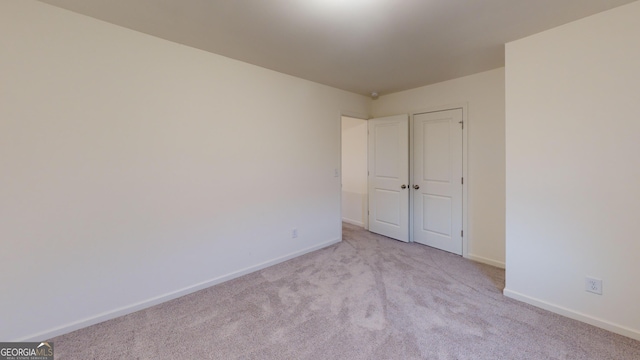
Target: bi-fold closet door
425, 204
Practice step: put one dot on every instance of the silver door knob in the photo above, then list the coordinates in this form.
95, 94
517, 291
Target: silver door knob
416, 187
403, 186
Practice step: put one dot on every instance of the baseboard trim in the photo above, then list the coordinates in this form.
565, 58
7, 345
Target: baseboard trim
108, 315
353, 222
604, 324
485, 260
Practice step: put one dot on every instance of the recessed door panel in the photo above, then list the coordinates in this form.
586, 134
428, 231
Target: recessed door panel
437, 214
387, 151
388, 207
437, 157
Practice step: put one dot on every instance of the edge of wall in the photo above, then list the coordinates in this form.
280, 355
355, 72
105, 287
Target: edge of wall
124, 310
487, 261
575, 315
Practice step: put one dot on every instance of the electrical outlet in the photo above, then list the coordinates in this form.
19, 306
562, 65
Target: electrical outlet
593, 285
294, 233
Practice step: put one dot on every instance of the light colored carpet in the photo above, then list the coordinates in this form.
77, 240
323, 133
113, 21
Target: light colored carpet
367, 297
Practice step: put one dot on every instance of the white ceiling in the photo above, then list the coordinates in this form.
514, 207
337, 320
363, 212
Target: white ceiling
355, 45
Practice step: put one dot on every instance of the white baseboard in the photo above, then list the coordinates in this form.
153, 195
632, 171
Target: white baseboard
353, 222
112, 314
604, 324
485, 260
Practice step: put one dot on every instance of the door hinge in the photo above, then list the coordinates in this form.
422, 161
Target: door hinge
461, 233
462, 180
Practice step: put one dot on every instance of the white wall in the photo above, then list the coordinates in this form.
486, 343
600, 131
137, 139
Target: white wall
484, 95
354, 170
573, 168
134, 170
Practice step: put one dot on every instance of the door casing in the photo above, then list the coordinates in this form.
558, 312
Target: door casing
338, 170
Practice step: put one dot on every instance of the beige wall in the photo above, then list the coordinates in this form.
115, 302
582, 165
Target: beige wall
134, 170
354, 170
573, 170
484, 95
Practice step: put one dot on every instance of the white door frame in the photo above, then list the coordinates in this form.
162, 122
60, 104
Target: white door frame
465, 207
354, 115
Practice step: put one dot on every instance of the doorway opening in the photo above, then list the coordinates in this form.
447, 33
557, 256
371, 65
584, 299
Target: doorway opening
354, 171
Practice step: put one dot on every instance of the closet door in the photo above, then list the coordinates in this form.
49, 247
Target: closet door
388, 176
437, 179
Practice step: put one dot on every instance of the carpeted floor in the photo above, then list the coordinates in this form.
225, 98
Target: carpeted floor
367, 297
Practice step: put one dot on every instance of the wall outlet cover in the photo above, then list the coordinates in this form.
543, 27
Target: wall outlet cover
593, 285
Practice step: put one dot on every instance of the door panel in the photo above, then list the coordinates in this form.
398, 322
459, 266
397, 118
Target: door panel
437, 215
437, 164
387, 150
437, 180
387, 207
388, 172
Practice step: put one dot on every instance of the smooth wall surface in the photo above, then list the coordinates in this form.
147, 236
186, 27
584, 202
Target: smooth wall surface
134, 169
573, 170
354, 170
484, 95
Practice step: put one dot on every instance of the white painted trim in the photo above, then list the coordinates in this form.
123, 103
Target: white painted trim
572, 314
355, 115
484, 260
353, 222
465, 173
108, 315
410, 183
